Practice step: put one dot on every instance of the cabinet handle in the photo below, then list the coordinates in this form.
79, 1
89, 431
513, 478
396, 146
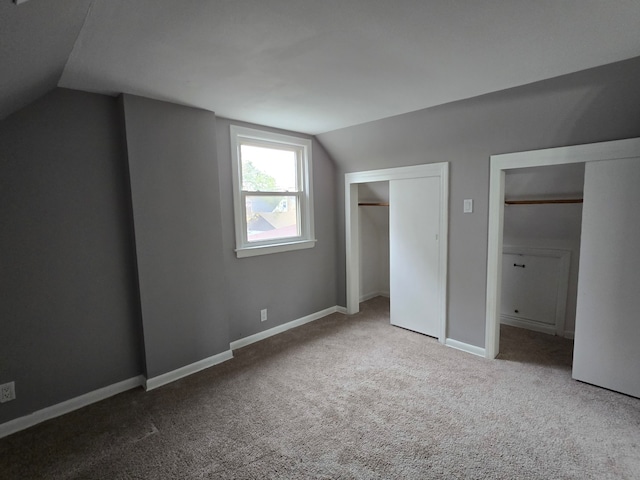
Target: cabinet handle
521, 266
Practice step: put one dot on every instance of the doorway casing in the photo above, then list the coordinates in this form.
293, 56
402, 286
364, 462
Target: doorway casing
352, 232
618, 149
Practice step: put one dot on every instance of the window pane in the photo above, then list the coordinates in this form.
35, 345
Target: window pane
268, 169
270, 217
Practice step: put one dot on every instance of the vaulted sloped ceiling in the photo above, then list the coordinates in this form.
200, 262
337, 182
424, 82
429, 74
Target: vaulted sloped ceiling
308, 65
36, 39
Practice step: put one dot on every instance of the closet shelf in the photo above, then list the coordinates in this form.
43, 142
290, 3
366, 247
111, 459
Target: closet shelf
541, 202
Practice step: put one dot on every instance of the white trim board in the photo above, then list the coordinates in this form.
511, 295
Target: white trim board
535, 326
243, 342
618, 149
163, 379
369, 296
528, 324
352, 234
47, 413
465, 347
187, 370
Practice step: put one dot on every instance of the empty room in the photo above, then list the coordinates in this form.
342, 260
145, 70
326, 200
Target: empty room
319, 239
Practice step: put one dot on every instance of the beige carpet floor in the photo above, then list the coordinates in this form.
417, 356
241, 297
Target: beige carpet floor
350, 397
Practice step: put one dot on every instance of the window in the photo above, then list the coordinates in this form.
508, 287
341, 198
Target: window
273, 204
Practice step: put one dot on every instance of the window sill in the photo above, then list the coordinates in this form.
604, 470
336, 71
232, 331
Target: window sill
277, 248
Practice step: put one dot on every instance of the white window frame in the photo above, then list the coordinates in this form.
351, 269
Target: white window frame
306, 239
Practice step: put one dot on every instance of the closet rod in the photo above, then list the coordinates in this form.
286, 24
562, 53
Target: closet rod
540, 202
373, 204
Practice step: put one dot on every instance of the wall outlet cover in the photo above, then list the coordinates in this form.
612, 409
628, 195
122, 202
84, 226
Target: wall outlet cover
7, 392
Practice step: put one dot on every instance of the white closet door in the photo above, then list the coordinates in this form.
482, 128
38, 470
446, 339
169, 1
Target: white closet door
414, 219
607, 334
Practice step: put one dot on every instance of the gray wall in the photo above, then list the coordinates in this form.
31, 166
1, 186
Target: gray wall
176, 211
289, 285
591, 106
118, 246
68, 312
374, 250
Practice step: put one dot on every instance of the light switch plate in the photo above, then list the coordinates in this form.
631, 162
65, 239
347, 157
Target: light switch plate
468, 205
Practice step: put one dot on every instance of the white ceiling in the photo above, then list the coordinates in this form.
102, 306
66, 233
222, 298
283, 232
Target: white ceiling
318, 65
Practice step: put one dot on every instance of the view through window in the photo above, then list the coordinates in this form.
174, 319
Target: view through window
270, 190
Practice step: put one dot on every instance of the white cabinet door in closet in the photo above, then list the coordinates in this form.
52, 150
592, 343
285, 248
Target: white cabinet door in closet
414, 220
534, 288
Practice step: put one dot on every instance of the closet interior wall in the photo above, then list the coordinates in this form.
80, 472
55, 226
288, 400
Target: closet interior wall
374, 239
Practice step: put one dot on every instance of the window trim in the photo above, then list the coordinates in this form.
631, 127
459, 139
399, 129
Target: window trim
240, 135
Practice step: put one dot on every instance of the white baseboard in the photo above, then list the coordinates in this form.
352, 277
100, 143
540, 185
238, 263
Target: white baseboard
369, 296
243, 342
187, 370
465, 347
527, 324
67, 406
174, 375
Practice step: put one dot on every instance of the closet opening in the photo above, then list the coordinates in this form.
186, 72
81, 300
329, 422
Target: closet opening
418, 222
540, 260
373, 207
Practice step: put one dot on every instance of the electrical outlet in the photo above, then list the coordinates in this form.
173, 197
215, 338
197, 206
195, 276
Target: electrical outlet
7, 392
263, 315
